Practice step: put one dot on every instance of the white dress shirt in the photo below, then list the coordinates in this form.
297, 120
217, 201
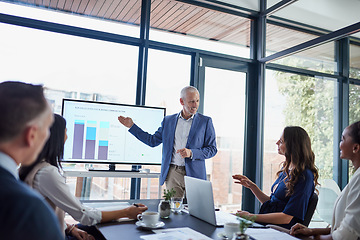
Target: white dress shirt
9, 164
346, 215
51, 184
181, 136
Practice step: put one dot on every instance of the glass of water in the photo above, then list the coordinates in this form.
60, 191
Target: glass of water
177, 203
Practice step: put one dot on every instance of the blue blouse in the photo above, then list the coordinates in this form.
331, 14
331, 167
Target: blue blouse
294, 205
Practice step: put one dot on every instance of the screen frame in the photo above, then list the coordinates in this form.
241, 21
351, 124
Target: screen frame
84, 161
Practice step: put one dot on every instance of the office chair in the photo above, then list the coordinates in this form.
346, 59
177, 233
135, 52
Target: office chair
327, 198
308, 215
311, 209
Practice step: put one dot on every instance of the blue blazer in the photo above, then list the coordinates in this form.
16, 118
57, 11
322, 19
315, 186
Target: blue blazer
23, 212
201, 141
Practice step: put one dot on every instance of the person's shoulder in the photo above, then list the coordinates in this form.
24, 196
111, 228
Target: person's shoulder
49, 174
307, 174
18, 194
202, 117
171, 117
49, 169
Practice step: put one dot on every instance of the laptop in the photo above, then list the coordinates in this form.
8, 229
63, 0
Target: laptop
200, 201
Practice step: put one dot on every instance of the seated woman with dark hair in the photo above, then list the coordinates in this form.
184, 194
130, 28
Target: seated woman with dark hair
295, 185
346, 214
44, 175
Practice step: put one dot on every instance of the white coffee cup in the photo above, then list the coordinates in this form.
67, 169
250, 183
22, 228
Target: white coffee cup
149, 218
231, 228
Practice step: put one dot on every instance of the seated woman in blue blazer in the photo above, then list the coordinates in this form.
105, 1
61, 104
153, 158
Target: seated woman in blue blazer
295, 183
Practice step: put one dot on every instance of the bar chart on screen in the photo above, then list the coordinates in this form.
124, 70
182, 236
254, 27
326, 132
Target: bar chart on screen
96, 136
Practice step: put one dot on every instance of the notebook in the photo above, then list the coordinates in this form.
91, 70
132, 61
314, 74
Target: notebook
200, 201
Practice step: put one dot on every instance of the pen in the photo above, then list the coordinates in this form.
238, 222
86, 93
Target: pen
135, 205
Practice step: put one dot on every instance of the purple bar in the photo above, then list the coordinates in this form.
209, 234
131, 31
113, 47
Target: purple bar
103, 153
90, 149
78, 141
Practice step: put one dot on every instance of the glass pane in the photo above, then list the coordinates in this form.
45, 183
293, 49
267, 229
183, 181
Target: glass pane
354, 112
69, 66
192, 26
167, 74
279, 38
354, 61
121, 19
219, 102
296, 100
109, 188
320, 58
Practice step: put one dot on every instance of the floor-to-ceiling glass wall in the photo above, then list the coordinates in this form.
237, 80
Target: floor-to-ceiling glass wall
298, 100
77, 68
226, 106
167, 74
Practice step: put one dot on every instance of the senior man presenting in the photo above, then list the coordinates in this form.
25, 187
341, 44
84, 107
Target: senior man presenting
188, 139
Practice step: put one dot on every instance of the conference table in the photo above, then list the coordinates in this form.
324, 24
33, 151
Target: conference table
129, 231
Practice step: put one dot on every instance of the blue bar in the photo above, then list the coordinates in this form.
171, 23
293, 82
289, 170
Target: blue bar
104, 143
91, 133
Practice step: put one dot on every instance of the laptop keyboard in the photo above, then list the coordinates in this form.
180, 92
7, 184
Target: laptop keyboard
224, 217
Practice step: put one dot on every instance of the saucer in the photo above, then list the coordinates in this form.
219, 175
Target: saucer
157, 225
222, 235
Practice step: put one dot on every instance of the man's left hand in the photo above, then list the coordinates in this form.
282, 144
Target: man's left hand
184, 152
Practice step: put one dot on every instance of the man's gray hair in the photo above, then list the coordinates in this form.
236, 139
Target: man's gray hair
186, 90
20, 103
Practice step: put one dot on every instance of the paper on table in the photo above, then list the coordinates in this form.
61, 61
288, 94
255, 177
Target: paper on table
176, 234
268, 234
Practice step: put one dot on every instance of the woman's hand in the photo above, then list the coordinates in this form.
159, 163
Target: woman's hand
81, 234
133, 210
243, 180
243, 214
299, 229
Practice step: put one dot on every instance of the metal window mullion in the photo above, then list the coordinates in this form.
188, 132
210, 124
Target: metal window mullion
141, 79
341, 115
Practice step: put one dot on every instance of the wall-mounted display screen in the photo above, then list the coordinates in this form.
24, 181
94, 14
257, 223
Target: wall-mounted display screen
96, 136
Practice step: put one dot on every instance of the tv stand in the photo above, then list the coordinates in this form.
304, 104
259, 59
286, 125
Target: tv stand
113, 170
114, 174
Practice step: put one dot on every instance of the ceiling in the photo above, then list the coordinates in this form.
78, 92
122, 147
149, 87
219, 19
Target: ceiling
326, 14
187, 19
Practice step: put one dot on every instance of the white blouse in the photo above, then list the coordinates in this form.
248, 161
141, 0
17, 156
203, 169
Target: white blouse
346, 215
51, 184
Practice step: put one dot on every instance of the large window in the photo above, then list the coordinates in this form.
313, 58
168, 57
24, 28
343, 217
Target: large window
296, 100
354, 100
354, 112
226, 107
69, 66
167, 74
354, 61
74, 67
320, 58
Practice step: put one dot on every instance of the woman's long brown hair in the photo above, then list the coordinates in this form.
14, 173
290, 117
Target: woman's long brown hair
299, 153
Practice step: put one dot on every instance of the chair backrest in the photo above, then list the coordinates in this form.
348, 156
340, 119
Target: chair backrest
327, 198
330, 183
311, 209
